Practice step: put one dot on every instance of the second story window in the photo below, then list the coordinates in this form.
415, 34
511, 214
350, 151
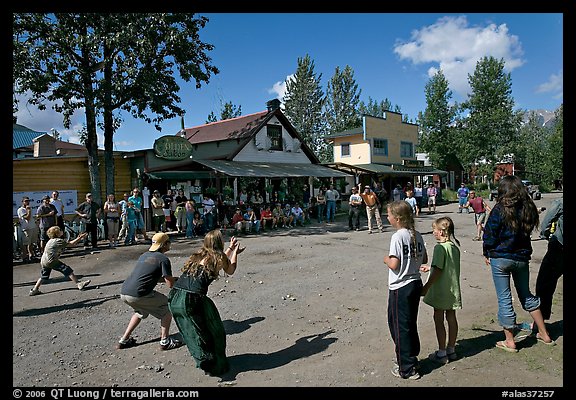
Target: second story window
406, 150
380, 147
275, 137
345, 149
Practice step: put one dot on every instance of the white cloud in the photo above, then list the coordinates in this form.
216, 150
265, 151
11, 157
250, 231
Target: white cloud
455, 47
279, 88
554, 85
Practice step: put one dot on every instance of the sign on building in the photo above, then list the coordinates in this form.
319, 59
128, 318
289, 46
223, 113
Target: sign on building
68, 198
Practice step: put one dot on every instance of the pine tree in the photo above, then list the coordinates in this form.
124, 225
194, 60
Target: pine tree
437, 137
303, 102
342, 98
492, 124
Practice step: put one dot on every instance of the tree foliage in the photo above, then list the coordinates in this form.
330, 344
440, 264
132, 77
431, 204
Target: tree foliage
104, 63
303, 102
491, 125
437, 133
374, 108
227, 111
342, 99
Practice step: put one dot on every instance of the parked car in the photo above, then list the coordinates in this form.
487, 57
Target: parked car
533, 191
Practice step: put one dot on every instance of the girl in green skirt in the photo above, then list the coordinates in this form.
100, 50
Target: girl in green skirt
194, 312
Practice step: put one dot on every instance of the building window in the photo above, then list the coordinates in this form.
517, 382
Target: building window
380, 147
345, 149
406, 150
275, 137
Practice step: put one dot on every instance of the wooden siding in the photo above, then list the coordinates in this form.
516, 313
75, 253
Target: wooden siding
395, 131
69, 173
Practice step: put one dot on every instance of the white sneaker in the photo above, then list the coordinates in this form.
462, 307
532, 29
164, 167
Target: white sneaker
83, 284
34, 292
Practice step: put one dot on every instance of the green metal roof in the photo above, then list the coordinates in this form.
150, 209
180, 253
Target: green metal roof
390, 169
271, 170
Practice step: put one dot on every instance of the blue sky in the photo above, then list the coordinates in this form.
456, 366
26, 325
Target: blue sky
392, 55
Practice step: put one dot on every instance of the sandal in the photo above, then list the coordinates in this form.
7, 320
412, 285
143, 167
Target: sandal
550, 343
502, 345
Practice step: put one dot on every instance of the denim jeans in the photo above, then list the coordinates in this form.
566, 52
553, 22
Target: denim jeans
502, 270
330, 210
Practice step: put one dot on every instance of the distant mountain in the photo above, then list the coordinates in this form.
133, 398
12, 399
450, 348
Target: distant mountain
545, 117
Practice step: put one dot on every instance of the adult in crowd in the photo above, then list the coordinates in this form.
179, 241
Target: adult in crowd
382, 194
138, 291
168, 199
372, 208
180, 212
209, 217
552, 267
321, 205
123, 204
138, 209
90, 211
194, 312
190, 210
56, 202
354, 204
463, 193
29, 230
112, 213
158, 217
431, 192
418, 194
480, 207
332, 196
507, 249
46, 213
397, 193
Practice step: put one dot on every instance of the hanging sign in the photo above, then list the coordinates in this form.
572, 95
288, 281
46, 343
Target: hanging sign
172, 148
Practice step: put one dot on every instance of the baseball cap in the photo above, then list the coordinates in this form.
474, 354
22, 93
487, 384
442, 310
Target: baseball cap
158, 241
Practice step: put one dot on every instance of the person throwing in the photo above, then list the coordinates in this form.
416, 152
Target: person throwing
480, 207
138, 292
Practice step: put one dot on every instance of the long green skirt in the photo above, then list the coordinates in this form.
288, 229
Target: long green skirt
199, 323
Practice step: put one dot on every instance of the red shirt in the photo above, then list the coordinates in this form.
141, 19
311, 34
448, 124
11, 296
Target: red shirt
266, 214
477, 205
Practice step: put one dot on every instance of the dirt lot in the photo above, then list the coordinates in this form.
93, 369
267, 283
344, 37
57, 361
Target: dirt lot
306, 308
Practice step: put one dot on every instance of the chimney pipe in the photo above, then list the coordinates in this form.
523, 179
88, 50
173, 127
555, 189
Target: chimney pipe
273, 104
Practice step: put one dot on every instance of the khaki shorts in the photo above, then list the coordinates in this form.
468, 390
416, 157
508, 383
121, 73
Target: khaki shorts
155, 304
29, 236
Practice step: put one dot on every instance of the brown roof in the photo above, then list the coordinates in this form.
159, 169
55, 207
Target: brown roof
230, 129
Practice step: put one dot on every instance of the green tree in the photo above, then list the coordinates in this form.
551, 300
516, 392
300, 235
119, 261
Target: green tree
373, 108
342, 98
105, 63
303, 102
437, 135
227, 111
491, 126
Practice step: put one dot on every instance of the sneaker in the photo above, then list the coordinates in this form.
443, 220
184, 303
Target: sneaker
369, 232
476, 238
170, 344
34, 292
413, 374
83, 284
524, 326
452, 356
131, 342
439, 359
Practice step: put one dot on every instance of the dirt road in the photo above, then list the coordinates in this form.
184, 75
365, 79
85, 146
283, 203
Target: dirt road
306, 308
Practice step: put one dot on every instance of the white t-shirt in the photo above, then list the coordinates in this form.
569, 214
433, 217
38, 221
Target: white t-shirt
59, 206
24, 223
401, 247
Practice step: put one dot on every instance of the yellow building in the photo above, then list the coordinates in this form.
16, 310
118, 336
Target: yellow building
382, 150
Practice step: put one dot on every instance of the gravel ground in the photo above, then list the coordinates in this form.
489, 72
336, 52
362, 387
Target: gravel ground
306, 308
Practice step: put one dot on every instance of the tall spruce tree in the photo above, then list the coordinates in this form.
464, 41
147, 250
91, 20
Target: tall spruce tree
437, 136
342, 98
303, 102
490, 129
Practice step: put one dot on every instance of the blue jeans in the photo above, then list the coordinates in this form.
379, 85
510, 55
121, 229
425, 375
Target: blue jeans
330, 210
502, 270
321, 210
189, 224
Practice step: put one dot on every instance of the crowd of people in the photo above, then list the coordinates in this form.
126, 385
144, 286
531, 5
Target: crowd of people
506, 245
